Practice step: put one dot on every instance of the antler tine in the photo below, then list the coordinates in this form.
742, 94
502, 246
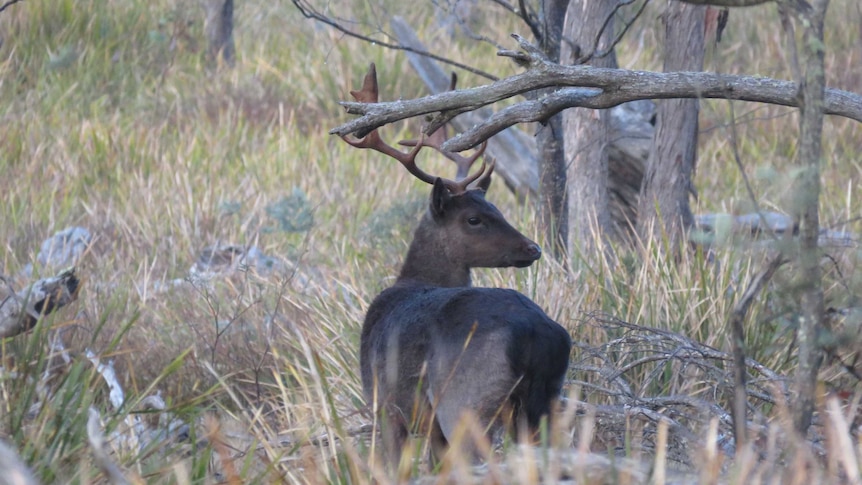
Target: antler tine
491, 162
369, 91
370, 94
435, 141
408, 160
469, 161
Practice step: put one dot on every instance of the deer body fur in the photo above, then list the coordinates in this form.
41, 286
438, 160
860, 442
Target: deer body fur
434, 348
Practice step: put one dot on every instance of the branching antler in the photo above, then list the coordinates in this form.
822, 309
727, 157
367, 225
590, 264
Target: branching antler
436, 139
370, 94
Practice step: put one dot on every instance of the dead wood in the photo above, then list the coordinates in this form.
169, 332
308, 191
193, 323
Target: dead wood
639, 376
14, 472
579, 86
20, 311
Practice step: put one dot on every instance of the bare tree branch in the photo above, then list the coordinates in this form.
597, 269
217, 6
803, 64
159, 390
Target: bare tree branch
308, 11
728, 3
8, 4
737, 327
813, 104
605, 88
530, 18
596, 52
506, 5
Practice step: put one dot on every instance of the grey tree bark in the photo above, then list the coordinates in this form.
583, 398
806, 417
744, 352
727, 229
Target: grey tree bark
812, 91
586, 131
553, 211
578, 87
21, 311
663, 206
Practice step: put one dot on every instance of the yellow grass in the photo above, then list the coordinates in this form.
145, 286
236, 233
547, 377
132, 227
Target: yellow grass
109, 120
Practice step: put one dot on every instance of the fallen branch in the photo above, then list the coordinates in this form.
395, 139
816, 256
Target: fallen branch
737, 326
97, 442
624, 371
19, 312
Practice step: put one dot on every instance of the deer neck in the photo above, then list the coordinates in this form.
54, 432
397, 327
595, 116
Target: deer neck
427, 262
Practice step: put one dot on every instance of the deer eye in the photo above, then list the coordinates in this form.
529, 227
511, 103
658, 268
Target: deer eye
474, 221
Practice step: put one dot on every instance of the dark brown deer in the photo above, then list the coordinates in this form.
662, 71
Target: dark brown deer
432, 346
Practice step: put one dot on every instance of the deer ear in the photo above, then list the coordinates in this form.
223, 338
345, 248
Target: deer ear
484, 183
439, 198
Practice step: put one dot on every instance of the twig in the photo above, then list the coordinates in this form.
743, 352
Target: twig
637, 347
737, 321
308, 11
596, 52
97, 443
734, 144
9, 4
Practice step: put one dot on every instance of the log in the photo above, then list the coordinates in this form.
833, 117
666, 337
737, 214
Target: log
19, 312
14, 471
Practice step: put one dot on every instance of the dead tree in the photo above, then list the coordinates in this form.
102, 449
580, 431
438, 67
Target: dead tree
20, 311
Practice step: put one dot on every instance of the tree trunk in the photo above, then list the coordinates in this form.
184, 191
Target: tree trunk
553, 211
663, 207
586, 132
219, 31
807, 183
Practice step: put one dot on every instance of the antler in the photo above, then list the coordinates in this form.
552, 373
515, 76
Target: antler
435, 140
440, 135
370, 94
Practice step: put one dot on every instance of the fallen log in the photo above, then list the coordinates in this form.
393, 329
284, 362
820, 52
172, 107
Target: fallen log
20, 311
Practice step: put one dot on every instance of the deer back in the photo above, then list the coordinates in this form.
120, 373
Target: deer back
429, 342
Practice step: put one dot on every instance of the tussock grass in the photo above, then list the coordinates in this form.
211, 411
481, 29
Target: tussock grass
110, 120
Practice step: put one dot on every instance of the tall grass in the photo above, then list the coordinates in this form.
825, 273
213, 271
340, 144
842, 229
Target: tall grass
110, 120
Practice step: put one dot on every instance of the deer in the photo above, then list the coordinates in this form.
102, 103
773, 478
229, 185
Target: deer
433, 347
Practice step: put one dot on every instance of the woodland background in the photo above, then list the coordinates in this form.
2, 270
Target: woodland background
232, 246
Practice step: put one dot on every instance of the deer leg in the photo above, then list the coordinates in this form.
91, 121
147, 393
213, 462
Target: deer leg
452, 414
394, 435
438, 443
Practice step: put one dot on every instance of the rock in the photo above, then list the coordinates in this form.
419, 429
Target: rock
62, 250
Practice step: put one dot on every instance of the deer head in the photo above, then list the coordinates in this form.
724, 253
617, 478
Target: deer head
461, 229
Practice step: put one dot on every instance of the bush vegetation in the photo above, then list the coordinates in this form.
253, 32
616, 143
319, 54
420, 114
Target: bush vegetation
110, 120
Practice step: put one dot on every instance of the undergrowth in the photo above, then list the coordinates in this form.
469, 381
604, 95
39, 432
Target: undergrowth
110, 120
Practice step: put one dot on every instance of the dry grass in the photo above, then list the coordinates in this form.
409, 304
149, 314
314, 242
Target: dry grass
109, 120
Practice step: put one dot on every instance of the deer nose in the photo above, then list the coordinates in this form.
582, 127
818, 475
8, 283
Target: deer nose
534, 251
